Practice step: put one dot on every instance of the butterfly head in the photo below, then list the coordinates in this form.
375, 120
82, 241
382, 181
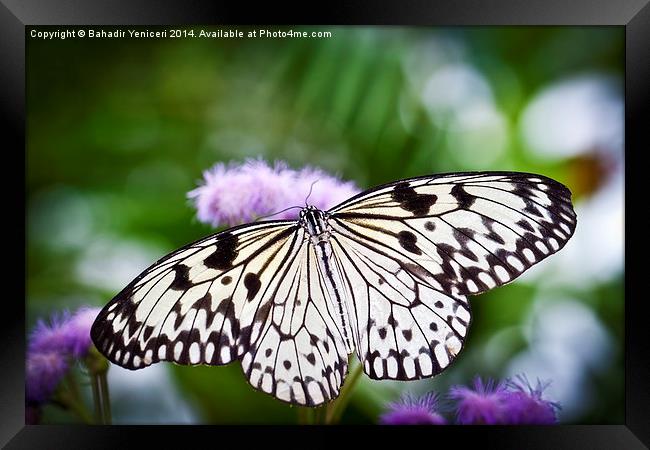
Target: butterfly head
313, 220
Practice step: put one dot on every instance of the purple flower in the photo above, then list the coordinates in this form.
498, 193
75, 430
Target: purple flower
524, 405
43, 372
66, 333
482, 405
51, 348
50, 337
77, 331
509, 403
412, 411
236, 193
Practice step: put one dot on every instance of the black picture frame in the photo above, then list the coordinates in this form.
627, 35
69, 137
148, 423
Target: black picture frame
633, 15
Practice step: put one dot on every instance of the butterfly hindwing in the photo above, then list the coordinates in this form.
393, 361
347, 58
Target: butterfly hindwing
300, 355
406, 329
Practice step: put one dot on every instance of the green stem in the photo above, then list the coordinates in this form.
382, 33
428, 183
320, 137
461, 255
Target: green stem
100, 398
97, 369
302, 415
335, 409
94, 382
105, 399
311, 415
319, 414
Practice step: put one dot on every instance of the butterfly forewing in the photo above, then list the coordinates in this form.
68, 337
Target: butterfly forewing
472, 231
193, 305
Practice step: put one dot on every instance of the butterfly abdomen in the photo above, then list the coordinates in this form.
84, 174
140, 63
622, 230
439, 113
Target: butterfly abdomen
315, 223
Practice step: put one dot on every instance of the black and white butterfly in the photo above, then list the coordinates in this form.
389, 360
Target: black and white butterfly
385, 274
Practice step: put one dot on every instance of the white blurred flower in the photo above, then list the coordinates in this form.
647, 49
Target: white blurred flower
454, 88
568, 386
478, 136
111, 263
575, 116
568, 326
428, 56
567, 341
460, 102
60, 218
147, 395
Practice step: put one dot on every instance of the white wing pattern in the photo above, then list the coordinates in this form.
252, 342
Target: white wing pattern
413, 250
405, 256
249, 293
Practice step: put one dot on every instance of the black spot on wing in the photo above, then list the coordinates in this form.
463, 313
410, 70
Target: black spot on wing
210, 309
263, 311
410, 200
408, 335
525, 225
414, 269
147, 332
252, 284
407, 241
526, 193
464, 199
225, 253
182, 278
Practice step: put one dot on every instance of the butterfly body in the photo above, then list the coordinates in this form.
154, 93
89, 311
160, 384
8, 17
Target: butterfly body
314, 221
385, 274
319, 232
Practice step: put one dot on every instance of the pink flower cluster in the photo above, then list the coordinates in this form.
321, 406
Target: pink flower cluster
237, 193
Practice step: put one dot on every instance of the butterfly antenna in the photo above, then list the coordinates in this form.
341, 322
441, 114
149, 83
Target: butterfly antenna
310, 190
278, 212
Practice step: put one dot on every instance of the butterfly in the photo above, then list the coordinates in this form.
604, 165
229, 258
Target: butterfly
385, 274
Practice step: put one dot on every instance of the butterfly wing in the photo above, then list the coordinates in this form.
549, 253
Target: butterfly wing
404, 327
300, 356
421, 245
244, 293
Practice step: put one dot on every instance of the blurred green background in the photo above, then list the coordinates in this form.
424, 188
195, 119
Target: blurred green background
119, 130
